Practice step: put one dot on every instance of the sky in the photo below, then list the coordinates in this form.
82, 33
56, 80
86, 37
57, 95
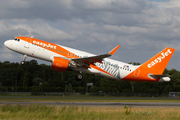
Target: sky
142, 27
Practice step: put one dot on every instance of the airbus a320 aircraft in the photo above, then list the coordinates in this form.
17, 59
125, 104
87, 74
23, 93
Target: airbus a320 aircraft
65, 58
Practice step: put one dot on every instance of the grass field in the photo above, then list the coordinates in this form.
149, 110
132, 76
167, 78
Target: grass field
43, 112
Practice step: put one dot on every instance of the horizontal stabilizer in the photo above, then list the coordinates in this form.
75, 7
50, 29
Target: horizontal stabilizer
163, 78
159, 76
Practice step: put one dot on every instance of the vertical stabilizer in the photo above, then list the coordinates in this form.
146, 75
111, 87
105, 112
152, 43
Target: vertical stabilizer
152, 69
158, 63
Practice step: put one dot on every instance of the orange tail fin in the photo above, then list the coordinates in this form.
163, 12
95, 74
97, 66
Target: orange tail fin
158, 63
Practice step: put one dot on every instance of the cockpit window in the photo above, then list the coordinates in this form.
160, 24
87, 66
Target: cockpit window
16, 39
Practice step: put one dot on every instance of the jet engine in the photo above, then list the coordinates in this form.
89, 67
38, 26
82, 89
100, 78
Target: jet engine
60, 64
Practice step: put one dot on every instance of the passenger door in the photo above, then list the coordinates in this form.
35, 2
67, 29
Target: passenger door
27, 43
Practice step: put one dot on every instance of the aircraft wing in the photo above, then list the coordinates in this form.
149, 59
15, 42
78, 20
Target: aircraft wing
93, 59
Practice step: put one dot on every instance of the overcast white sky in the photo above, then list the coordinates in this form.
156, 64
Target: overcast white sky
142, 27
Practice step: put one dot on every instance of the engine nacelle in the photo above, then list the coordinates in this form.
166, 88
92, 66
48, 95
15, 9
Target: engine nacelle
60, 64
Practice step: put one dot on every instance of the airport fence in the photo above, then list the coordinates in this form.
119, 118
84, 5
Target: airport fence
60, 91
131, 94
87, 94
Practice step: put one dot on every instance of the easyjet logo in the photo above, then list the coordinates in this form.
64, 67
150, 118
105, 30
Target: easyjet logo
44, 44
160, 58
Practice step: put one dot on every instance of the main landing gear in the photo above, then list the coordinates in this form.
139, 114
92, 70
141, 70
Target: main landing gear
79, 76
24, 58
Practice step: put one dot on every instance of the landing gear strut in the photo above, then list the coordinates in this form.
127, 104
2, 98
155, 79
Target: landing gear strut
24, 58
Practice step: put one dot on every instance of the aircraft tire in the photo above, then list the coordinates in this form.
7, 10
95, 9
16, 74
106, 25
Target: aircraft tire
22, 63
79, 77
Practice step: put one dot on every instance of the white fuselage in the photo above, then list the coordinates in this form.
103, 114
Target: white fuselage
118, 69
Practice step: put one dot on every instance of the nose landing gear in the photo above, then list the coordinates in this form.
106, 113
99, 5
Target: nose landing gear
24, 58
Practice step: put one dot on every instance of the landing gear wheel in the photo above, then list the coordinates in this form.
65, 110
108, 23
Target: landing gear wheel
79, 77
24, 58
22, 63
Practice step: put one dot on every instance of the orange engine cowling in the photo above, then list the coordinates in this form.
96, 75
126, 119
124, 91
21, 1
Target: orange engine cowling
60, 64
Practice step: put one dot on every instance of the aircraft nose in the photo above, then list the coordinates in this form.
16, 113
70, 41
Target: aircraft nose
7, 43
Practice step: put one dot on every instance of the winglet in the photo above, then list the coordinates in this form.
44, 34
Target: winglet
114, 50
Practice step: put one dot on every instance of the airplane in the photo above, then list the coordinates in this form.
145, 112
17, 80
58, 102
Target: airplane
66, 58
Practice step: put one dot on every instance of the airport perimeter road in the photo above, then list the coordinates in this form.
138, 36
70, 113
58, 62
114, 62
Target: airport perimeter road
101, 104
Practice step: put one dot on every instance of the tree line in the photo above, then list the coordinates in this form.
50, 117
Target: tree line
34, 77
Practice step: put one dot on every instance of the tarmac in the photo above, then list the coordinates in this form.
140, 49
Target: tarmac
94, 104
102, 104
